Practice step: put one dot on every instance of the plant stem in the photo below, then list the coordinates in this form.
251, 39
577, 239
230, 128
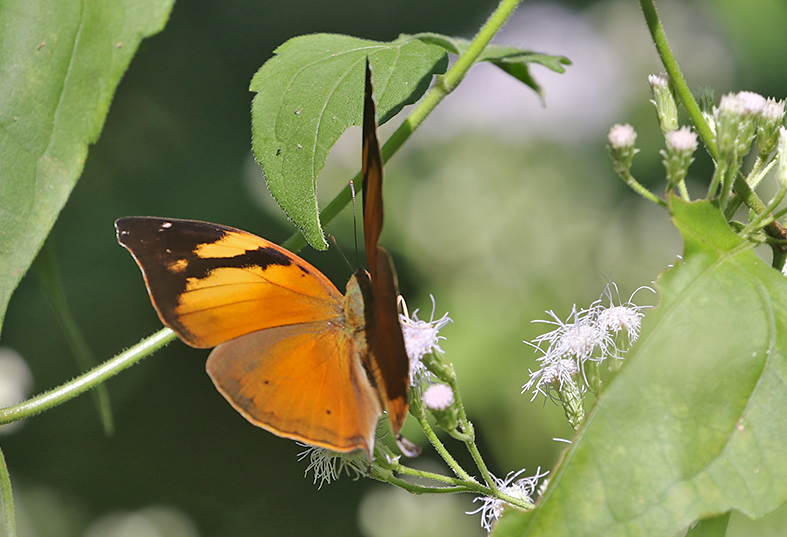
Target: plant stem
445, 85
676, 76
9, 518
467, 428
89, 380
637, 187
420, 489
756, 175
422, 474
439, 447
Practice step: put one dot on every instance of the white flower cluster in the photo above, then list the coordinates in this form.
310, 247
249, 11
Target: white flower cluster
328, 465
421, 338
520, 488
594, 334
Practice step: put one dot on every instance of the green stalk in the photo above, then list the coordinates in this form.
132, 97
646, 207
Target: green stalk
676, 76
89, 380
467, 428
637, 187
445, 85
440, 448
9, 518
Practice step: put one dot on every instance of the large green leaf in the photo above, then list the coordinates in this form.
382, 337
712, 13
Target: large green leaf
310, 92
59, 65
696, 423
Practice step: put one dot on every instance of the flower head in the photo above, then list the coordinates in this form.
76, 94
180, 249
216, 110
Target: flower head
553, 375
420, 339
438, 397
579, 337
771, 121
623, 316
520, 489
328, 465
581, 343
622, 136
683, 140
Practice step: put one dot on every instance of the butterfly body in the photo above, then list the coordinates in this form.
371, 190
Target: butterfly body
292, 354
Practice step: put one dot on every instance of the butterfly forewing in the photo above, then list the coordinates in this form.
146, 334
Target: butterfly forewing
387, 357
213, 283
372, 173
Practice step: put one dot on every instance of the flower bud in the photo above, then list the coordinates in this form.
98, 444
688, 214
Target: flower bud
621, 147
681, 145
781, 165
664, 101
439, 399
771, 119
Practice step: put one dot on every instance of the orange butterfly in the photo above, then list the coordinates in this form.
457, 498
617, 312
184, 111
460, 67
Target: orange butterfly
292, 355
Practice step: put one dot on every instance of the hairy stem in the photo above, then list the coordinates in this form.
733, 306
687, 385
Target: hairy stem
89, 380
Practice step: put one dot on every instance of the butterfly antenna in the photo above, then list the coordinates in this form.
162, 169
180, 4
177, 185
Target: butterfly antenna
355, 224
333, 240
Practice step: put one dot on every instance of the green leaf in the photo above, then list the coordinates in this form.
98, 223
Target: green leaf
61, 62
695, 424
512, 60
310, 92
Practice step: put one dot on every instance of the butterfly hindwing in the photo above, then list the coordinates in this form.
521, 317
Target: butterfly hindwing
303, 381
212, 283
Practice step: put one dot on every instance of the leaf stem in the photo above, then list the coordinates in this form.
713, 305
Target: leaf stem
445, 85
89, 380
637, 187
9, 518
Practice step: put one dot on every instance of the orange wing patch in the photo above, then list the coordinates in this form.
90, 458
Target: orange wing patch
212, 283
303, 382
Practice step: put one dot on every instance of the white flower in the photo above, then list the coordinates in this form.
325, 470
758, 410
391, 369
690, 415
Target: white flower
659, 81
623, 316
622, 136
683, 139
328, 465
730, 105
773, 111
578, 338
521, 489
420, 339
438, 397
752, 103
554, 373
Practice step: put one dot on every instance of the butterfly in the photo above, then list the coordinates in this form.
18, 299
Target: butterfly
292, 355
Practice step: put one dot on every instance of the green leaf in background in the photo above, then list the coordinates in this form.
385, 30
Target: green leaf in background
59, 65
512, 60
695, 424
310, 92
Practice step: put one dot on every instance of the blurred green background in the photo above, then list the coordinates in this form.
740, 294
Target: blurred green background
499, 207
